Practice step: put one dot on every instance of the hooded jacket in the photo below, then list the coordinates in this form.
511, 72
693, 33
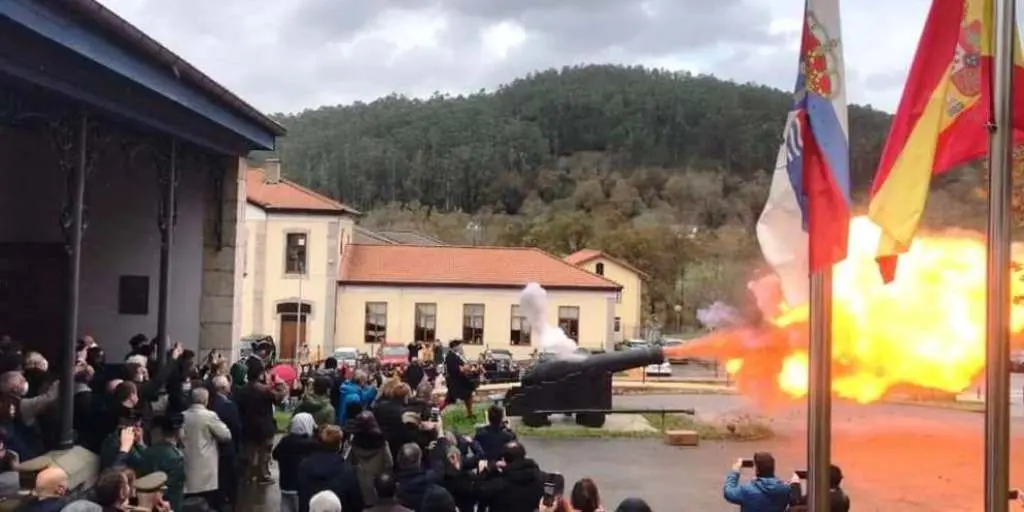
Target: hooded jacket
518, 487
758, 495
350, 394
320, 407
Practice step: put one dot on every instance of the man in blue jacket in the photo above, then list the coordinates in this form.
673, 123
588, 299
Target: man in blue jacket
763, 493
355, 396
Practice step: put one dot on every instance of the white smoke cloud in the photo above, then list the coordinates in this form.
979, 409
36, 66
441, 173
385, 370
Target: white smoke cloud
719, 314
533, 303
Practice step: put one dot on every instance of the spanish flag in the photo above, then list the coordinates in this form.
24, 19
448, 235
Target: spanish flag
940, 123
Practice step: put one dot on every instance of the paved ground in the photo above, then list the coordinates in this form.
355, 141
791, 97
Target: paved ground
906, 458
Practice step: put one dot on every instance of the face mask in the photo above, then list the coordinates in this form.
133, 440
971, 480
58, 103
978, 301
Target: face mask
186, 387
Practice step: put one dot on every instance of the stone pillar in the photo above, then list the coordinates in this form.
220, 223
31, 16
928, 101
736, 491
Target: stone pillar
220, 315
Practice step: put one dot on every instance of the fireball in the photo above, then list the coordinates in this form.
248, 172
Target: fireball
924, 330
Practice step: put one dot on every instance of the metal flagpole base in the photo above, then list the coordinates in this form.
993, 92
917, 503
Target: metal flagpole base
819, 395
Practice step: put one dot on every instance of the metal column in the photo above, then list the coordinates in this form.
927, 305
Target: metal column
74, 227
168, 183
997, 375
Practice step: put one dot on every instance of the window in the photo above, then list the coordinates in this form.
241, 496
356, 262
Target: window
599, 269
618, 324
133, 295
426, 322
520, 334
569, 321
376, 322
295, 254
473, 323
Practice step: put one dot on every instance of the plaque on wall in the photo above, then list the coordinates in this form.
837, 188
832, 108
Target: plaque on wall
133, 295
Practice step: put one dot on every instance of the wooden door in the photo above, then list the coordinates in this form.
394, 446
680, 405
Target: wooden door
292, 335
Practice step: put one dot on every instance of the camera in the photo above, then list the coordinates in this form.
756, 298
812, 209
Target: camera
747, 463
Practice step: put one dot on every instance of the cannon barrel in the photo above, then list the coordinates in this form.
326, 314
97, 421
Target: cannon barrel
609, 362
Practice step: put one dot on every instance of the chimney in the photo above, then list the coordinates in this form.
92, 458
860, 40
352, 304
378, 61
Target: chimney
272, 170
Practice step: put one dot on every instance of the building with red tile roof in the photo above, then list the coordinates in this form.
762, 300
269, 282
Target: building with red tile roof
629, 307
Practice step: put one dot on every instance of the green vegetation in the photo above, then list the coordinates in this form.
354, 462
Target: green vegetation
729, 428
744, 428
668, 171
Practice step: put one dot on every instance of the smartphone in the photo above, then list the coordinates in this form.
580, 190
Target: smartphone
1014, 494
435, 416
801, 474
747, 463
549, 493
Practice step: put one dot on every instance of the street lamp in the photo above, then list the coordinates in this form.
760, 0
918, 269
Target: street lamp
679, 317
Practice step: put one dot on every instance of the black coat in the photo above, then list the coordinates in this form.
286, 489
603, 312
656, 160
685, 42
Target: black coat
413, 484
289, 453
518, 487
256, 409
328, 470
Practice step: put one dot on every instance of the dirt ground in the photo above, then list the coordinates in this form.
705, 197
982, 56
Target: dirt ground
905, 458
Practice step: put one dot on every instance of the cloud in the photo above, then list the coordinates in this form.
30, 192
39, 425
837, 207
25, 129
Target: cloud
288, 56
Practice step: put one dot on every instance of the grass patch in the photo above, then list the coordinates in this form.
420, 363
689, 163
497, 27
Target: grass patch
733, 428
283, 419
741, 427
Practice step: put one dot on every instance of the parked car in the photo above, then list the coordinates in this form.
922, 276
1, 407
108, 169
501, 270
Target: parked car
662, 369
671, 342
393, 354
1017, 361
500, 366
346, 356
629, 344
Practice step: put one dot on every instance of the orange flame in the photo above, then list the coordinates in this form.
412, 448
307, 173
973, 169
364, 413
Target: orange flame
924, 330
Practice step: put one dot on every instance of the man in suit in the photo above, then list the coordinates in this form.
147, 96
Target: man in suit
461, 384
203, 432
225, 409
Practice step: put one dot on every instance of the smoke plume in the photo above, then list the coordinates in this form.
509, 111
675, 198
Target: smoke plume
719, 315
533, 302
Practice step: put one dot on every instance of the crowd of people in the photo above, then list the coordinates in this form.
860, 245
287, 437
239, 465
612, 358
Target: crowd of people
188, 434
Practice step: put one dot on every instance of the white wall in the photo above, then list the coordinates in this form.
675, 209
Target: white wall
122, 237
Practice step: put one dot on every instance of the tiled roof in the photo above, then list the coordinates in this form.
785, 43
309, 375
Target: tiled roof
497, 267
361, 235
285, 195
410, 238
582, 256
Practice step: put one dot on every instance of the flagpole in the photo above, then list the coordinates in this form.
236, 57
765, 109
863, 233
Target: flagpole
819, 395
997, 376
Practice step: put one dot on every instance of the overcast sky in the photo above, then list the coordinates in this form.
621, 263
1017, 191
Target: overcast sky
288, 55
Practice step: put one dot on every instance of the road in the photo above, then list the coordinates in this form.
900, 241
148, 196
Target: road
895, 457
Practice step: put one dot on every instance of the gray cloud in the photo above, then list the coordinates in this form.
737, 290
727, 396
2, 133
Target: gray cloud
287, 56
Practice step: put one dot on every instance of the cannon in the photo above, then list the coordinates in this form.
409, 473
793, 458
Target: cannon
574, 385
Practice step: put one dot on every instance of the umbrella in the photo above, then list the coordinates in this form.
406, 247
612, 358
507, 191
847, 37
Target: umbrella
285, 372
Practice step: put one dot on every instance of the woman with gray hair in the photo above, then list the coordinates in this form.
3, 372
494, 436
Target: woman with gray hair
289, 452
325, 501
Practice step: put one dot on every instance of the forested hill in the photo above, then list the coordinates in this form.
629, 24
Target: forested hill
494, 149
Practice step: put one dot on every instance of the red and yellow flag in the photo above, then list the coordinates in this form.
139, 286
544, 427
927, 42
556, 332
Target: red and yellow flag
941, 120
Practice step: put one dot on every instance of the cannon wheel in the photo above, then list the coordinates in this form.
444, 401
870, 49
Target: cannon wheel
536, 420
591, 420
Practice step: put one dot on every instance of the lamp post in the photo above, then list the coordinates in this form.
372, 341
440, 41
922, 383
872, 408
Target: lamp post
679, 317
